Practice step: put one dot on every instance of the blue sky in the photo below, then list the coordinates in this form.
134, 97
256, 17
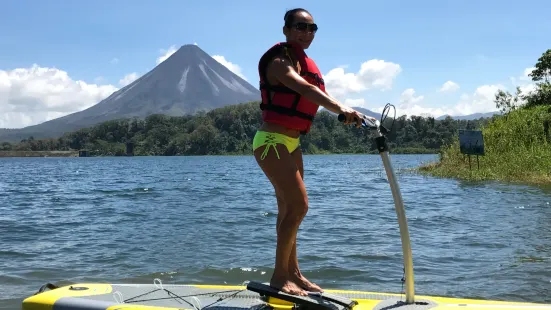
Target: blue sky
472, 43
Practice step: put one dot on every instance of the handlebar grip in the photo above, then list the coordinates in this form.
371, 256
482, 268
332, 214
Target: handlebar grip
342, 118
365, 121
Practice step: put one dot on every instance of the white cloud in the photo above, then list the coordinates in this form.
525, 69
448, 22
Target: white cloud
374, 73
410, 104
527, 88
129, 78
166, 53
379, 74
114, 61
449, 86
34, 95
231, 66
525, 74
408, 98
480, 101
524, 82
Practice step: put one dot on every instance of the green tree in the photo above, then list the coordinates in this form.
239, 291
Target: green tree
543, 68
506, 102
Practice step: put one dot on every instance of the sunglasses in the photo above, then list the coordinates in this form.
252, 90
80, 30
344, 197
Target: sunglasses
305, 27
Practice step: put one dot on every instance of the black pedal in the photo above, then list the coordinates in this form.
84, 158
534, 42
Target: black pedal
312, 301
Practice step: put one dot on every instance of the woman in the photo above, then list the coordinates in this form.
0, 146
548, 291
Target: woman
292, 91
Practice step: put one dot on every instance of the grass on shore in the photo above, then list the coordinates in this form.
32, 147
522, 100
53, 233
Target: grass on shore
517, 149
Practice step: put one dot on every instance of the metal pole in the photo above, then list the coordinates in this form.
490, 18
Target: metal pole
404, 233
382, 146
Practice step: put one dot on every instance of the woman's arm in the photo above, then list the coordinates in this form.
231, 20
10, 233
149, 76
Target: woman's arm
282, 69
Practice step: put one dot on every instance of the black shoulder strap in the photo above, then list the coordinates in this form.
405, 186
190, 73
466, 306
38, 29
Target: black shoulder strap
263, 65
318, 78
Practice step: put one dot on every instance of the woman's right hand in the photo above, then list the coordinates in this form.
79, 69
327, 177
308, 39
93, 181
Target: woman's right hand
352, 116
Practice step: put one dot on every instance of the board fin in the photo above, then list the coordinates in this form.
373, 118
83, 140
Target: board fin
314, 300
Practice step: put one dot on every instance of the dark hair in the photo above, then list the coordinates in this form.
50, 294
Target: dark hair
289, 17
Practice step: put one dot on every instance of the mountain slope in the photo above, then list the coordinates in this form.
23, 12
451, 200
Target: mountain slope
187, 82
470, 116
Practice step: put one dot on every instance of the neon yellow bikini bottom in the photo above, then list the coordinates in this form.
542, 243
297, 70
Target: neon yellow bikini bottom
271, 139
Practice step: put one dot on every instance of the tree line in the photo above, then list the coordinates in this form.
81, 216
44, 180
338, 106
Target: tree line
230, 130
539, 96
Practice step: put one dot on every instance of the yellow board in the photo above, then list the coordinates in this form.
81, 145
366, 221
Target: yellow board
95, 296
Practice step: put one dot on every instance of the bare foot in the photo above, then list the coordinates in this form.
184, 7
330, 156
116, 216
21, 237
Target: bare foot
287, 286
304, 283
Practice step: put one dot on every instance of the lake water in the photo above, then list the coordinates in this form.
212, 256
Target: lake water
212, 220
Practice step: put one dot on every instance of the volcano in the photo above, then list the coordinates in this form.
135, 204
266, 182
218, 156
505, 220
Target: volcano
187, 82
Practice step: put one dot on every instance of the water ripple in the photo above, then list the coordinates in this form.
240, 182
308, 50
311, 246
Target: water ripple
212, 220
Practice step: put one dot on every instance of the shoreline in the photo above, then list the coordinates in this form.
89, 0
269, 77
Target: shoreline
13, 154
484, 174
76, 153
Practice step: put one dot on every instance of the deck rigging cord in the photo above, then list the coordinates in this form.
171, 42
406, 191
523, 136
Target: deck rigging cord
117, 295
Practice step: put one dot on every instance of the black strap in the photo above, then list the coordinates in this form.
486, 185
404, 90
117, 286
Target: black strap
277, 88
318, 79
323, 301
287, 111
45, 286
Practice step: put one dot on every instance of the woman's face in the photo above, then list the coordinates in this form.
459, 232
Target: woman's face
302, 30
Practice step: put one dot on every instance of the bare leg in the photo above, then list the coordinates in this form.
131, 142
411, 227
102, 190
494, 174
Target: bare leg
287, 181
293, 260
294, 270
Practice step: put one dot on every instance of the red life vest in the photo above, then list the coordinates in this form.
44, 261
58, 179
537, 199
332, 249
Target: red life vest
287, 107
